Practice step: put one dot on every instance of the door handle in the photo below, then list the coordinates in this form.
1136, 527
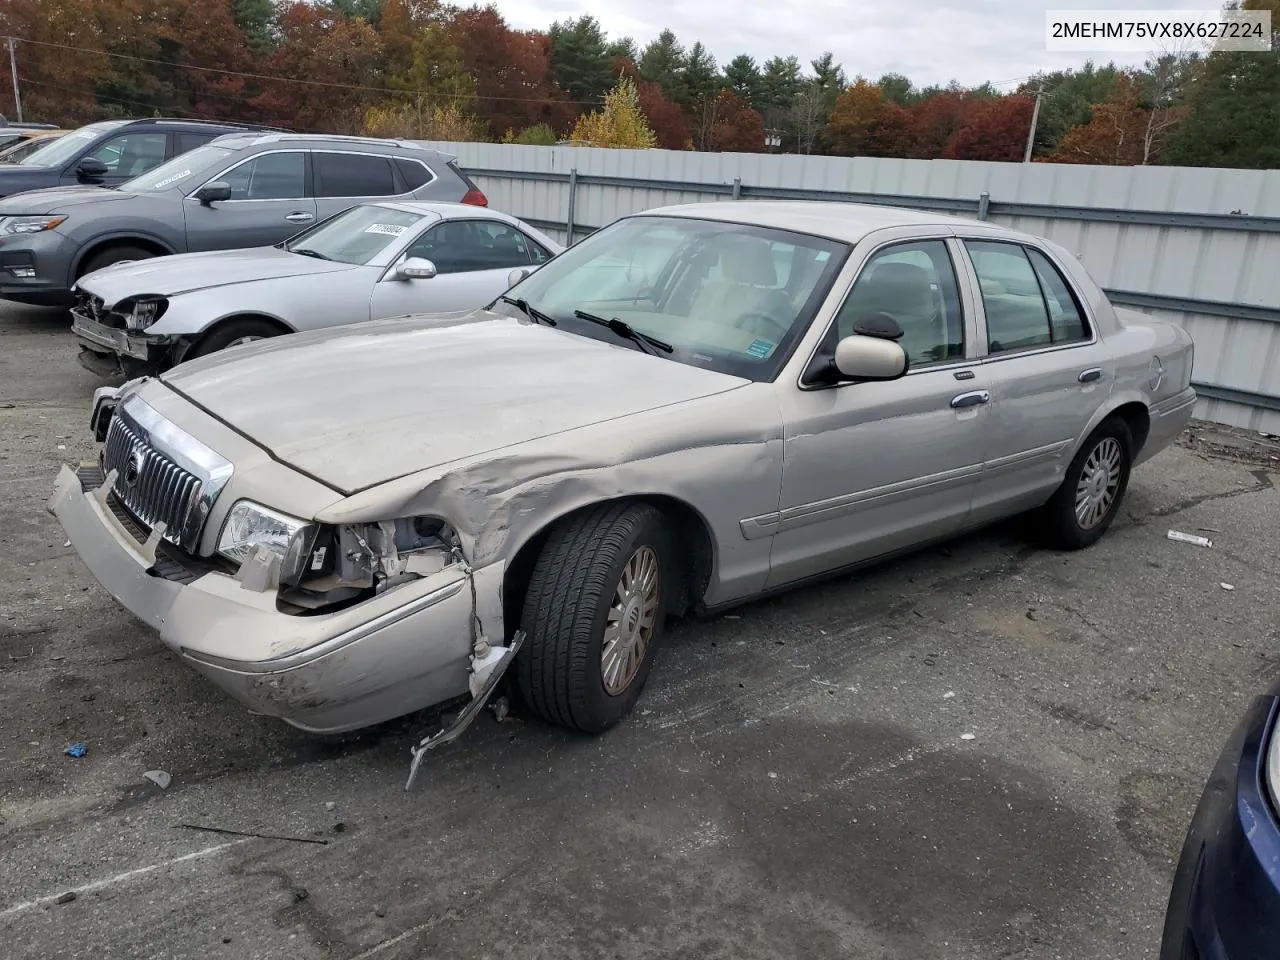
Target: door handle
300, 217
974, 399
1090, 375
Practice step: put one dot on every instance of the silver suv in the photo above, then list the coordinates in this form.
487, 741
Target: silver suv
240, 190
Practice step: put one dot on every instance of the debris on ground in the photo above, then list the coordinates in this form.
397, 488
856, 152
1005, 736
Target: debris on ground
968, 736
950, 694
330, 805
66, 897
159, 777
77, 750
1227, 586
1190, 538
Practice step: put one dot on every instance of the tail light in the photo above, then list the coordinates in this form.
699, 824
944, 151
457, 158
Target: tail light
475, 198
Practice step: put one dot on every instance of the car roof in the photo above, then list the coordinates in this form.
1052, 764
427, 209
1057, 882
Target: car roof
446, 210
849, 222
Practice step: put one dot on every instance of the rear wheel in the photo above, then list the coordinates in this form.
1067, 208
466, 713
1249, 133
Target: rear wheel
233, 333
1082, 509
112, 256
593, 614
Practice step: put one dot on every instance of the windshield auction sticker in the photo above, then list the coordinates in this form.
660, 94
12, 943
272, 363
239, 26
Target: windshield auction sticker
390, 229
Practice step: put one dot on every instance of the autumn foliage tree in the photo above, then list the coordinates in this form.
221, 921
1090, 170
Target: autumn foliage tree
864, 122
1115, 131
665, 118
996, 130
619, 123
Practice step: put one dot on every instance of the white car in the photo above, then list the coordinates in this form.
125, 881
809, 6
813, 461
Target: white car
370, 262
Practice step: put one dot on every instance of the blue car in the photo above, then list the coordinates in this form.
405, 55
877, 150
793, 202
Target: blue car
1225, 903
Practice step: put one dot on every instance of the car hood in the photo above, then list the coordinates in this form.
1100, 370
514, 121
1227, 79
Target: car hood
360, 405
188, 272
53, 199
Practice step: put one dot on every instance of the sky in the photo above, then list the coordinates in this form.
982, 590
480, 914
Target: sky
930, 41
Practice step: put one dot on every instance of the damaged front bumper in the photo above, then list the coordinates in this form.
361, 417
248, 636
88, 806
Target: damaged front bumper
410, 647
108, 351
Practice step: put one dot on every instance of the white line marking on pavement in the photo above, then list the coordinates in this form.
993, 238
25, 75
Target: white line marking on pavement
399, 938
121, 877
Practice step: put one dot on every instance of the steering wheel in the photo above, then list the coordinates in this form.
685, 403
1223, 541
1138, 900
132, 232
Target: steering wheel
750, 323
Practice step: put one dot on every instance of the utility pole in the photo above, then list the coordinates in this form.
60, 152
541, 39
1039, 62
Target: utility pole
13, 71
1031, 134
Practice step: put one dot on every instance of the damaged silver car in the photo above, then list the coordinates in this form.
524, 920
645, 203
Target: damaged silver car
690, 408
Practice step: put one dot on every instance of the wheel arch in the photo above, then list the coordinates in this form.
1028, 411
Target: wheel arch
696, 548
1132, 408
132, 239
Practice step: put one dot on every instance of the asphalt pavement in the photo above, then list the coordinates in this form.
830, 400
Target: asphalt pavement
986, 750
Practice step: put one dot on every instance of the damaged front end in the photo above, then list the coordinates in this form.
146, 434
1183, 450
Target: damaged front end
113, 340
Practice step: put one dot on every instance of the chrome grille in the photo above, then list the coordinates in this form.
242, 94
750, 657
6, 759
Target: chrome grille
149, 484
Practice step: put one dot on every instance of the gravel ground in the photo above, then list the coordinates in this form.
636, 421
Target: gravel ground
981, 751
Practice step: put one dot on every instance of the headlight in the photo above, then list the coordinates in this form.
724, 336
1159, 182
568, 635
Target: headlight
146, 312
250, 524
1273, 765
13, 226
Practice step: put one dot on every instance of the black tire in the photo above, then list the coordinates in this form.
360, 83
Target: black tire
228, 333
105, 258
1111, 442
566, 610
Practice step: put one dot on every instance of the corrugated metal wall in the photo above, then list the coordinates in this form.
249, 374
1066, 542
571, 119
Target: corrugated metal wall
1198, 246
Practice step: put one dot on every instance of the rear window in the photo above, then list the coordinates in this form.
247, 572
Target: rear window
413, 173
189, 141
352, 175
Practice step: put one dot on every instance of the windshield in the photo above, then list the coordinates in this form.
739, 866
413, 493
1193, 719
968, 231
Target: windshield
726, 296
356, 235
183, 170
57, 152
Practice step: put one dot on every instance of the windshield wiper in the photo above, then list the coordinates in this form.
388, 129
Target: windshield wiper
627, 332
308, 252
533, 313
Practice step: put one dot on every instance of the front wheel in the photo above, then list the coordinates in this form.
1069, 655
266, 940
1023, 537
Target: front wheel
1082, 509
232, 334
593, 614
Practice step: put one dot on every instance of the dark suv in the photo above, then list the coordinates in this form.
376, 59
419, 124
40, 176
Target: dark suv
109, 153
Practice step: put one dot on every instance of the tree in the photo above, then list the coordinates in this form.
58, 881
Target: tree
780, 85
421, 121
619, 123
701, 76
623, 48
581, 63
1068, 99
996, 130
257, 21
735, 126
666, 119
742, 76
830, 79
512, 72
539, 135
808, 115
897, 89
1114, 133
864, 122
367, 10
933, 120
663, 62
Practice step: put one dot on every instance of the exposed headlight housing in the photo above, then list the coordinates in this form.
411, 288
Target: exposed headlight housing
1273, 765
15, 226
250, 525
145, 312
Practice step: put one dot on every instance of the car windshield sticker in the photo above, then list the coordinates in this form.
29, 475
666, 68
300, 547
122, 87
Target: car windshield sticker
390, 229
761, 348
174, 179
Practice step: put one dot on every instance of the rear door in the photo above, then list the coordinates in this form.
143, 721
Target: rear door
343, 179
1046, 369
269, 203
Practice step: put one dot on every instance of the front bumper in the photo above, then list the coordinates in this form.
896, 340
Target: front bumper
401, 651
48, 255
108, 351
1225, 903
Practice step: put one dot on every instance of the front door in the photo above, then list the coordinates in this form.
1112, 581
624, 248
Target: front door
871, 468
126, 156
269, 203
1047, 375
473, 260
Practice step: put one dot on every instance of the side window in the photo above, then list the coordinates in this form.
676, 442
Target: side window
915, 283
1016, 314
132, 154
1066, 319
189, 141
460, 246
352, 175
272, 176
412, 173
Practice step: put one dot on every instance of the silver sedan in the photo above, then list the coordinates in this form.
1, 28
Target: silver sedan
371, 261
686, 410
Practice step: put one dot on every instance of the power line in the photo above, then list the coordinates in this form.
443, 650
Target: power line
314, 83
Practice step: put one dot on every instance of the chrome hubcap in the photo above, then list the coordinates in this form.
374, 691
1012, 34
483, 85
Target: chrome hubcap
628, 628
1099, 483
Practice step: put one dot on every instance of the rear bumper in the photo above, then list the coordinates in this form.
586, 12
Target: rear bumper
1169, 418
401, 651
1225, 903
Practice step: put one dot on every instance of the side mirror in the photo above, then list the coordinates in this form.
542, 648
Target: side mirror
516, 275
860, 357
91, 168
416, 268
214, 192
